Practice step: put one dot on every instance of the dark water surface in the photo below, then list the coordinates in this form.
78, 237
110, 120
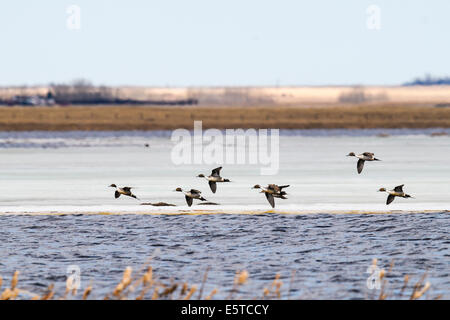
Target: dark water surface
330, 253
64, 139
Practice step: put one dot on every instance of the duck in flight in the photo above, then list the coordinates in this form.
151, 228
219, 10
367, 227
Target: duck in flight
272, 191
191, 195
397, 192
366, 156
214, 178
126, 191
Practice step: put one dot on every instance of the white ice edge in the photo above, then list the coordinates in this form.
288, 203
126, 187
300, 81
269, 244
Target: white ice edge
229, 209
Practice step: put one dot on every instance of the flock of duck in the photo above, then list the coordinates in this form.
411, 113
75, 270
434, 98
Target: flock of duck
271, 192
369, 156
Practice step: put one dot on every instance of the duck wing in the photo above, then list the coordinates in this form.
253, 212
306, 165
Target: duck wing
390, 198
189, 200
117, 194
368, 154
360, 165
280, 194
216, 172
271, 199
399, 188
194, 191
213, 186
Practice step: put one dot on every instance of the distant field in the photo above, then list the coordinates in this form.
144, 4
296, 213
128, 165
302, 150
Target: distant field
239, 96
156, 118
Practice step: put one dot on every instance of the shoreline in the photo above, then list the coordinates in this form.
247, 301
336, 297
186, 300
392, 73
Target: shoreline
194, 212
152, 118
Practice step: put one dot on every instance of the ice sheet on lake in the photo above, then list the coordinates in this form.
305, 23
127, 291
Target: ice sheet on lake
321, 177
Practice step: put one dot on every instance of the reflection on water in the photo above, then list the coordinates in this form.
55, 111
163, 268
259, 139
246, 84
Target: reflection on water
329, 253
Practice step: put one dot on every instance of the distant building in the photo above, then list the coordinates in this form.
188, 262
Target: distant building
34, 100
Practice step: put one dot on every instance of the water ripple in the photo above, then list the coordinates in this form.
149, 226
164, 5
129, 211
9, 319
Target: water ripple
329, 254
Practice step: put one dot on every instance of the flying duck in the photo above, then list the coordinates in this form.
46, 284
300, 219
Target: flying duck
397, 192
272, 191
366, 156
214, 178
126, 191
191, 195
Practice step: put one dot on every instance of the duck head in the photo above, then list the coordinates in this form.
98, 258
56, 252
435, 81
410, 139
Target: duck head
256, 186
351, 154
178, 190
201, 175
113, 186
382, 190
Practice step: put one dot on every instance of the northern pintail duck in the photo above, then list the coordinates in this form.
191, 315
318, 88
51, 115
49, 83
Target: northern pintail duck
126, 191
272, 191
397, 192
366, 156
214, 178
191, 195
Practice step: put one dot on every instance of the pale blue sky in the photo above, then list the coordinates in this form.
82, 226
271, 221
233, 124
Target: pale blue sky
213, 43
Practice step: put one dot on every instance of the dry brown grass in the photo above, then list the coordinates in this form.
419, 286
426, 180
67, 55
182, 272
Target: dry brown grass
159, 118
418, 289
144, 285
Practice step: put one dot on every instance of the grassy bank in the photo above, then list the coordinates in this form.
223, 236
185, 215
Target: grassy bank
158, 118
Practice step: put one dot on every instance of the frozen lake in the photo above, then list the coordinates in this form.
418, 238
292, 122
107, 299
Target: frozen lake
72, 172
